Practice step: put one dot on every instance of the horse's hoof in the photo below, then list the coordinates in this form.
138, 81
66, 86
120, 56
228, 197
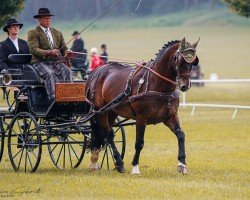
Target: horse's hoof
94, 167
135, 170
182, 168
120, 169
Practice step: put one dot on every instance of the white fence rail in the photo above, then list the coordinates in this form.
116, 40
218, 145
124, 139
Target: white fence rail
208, 105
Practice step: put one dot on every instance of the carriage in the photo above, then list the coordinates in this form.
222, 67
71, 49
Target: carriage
29, 121
74, 124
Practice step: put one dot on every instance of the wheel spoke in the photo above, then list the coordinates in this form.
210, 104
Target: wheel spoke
72, 138
35, 155
53, 148
25, 163
30, 137
59, 155
111, 152
70, 156
117, 130
104, 155
107, 156
17, 153
64, 149
20, 159
74, 151
30, 162
19, 127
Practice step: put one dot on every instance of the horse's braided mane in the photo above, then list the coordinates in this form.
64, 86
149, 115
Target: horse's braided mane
164, 48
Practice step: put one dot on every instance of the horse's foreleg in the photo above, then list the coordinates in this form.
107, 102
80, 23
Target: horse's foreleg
176, 129
139, 143
182, 167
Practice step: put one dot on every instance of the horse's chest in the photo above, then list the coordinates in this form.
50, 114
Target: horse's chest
154, 113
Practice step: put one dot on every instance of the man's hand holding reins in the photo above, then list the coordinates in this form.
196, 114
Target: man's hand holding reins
53, 53
68, 53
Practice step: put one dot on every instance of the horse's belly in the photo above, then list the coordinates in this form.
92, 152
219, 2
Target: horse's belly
149, 110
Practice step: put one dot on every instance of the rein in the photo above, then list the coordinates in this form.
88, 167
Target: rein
160, 76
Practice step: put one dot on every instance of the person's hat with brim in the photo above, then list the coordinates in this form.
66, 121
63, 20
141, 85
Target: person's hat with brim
75, 33
43, 12
11, 22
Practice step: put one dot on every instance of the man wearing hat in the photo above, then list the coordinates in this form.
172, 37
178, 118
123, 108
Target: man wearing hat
79, 63
12, 45
48, 48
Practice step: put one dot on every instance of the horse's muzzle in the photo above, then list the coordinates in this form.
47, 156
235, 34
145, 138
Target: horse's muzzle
185, 85
184, 88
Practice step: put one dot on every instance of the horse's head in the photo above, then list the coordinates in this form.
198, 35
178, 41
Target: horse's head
184, 59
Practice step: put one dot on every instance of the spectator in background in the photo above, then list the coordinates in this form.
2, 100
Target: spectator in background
96, 60
12, 45
79, 62
104, 55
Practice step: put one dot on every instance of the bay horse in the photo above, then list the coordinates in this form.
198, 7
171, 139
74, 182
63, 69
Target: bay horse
147, 93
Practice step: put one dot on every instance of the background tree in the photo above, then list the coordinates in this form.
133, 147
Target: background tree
242, 7
9, 8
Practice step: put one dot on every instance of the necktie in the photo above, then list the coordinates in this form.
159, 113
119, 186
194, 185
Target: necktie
49, 39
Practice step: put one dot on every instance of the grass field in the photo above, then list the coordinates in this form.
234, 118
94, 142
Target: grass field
217, 157
217, 146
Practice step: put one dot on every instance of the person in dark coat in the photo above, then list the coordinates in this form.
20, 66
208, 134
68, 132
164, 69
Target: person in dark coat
47, 47
12, 45
104, 54
79, 62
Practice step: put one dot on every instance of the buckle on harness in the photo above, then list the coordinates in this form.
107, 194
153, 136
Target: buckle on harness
127, 90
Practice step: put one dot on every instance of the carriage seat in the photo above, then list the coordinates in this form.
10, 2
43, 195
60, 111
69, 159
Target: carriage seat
30, 75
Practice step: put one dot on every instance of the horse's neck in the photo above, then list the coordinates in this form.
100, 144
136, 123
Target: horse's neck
163, 67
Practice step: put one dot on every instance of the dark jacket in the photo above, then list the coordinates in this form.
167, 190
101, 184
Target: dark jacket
105, 56
79, 60
7, 47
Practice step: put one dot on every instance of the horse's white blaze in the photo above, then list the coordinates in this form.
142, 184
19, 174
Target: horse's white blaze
135, 170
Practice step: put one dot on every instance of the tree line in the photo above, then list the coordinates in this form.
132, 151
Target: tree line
67, 10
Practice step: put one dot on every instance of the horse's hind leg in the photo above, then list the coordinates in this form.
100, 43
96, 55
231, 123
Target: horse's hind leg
103, 130
96, 142
139, 143
176, 129
119, 164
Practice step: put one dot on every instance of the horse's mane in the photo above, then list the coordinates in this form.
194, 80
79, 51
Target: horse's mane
164, 49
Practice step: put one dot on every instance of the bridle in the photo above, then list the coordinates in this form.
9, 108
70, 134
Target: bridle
179, 74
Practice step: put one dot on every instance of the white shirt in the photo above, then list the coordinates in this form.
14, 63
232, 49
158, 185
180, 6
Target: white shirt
15, 42
49, 33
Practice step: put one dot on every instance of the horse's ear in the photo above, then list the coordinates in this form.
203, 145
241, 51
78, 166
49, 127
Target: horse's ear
183, 42
196, 43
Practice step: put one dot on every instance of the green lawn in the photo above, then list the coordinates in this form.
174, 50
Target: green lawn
217, 158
